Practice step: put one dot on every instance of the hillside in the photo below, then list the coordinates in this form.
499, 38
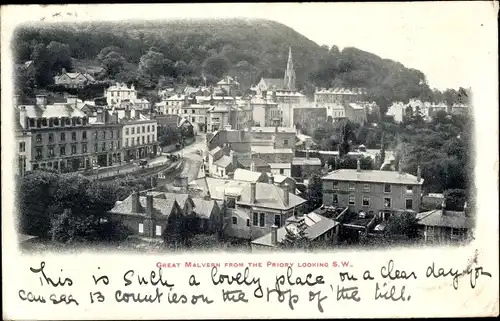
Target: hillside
185, 50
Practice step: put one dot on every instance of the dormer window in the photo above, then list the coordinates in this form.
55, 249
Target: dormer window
231, 202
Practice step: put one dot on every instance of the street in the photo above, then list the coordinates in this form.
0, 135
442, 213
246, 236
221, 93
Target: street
193, 161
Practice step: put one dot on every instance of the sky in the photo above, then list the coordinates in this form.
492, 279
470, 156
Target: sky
441, 39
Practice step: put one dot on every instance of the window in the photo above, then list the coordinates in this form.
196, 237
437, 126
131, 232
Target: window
148, 128
192, 111
235, 220
335, 186
51, 151
282, 171
39, 152
95, 148
73, 148
409, 204
149, 138
366, 188
387, 202
126, 131
366, 201
84, 147
103, 146
111, 145
141, 228
126, 142
153, 128
335, 199
111, 132
193, 119
409, 189
84, 135
133, 130
248, 222
62, 150
255, 219
22, 146
285, 142
158, 230
51, 138
73, 135
352, 187
277, 220
138, 129
352, 200
387, 188
143, 140
185, 111
103, 134
262, 219
38, 138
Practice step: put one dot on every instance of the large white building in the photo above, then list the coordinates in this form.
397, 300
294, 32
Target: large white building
139, 136
118, 93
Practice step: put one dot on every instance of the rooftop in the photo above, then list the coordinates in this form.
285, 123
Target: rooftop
356, 106
161, 207
56, 110
224, 161
203, 208
267, 195
306, 161
315, 225
342, 91
241, 174
270, 150
273, 129
445, 218
374, 176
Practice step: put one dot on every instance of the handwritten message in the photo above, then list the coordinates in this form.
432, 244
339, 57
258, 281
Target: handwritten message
290, 284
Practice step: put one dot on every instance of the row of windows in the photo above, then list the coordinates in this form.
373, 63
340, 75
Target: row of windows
158, 230
56, 122
39, 152
366, 188
144, 128
62, 137
111, 134
259, 220
137, 141
366, 201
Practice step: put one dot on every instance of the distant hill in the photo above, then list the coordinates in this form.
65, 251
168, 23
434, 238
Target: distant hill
248, 48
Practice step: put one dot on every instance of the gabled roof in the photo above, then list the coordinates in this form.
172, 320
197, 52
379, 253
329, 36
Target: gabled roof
267, 195
373, 176
241, 174
306, 161
224, 161
161, 207
246, 162
227, 80
204, 208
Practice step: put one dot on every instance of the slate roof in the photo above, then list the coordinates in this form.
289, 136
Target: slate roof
53, 111
73, 75
315, 226
451, 219
273, 129
373, 176
270, 150
223, 162
203, 208
267, 195
306, 161
246, 162
245, 175
161, 207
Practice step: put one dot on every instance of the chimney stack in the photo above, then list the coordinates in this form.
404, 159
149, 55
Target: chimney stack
358, 165
127, 112
23, 118
271, 178
72, 100
286, 198
15, 101
136, 205
252, 166
41, 100
114, 117
253, 192
400, 170
274, 235
307, 153
419, 174
443, 205
149, 204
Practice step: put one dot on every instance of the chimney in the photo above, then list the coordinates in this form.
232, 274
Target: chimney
41, 100
274, 235
136, 205
114, 118
443, 205
253, 192
252, 166
149, 204
400, 170
307, 153
23, 118
419, 174
72, 100
271, 178
286, 198
15, 101
127, 112
276, 128
358, 165
231, 156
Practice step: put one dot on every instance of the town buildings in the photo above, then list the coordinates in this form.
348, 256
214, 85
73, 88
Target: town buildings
106, 140
60, 135
373, 192
196, 114
139, 136
73, 79
228, 84
341, 96
120, 92
23, 142
309, 118
265, 112
356, 113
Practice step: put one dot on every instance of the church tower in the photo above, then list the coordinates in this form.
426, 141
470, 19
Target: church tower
289, 80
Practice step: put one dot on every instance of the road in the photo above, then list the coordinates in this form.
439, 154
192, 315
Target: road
193, 161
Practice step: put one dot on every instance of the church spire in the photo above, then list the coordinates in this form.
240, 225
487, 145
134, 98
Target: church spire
289, 80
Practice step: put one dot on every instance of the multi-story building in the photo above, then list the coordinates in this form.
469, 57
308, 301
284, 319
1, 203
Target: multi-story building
228, 84
309, 118
106, 140
219, 117
278, 137
139, 136
23, 145
336, 111
196, 114
253, 207
265, 112
73, 79
356, 113
372, 191
60, 135
118, 93
339, 96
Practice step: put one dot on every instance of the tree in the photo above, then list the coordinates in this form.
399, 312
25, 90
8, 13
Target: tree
43, 65
107, 50
216, 66
295, 241
113, 62
60, 56
181, 68
152, 65
181, 229
314, 192
404, 224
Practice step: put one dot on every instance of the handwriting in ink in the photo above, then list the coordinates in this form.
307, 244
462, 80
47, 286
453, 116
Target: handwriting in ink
347, 293
313, 295
202, 297
474, 274
138, 297
292, 298
103, 278
234, 296
96, 297
346, 275
142, 281
389, 293
48, 280
63, 299
173, 297
238, 279
389, 272
298, 280
30, 297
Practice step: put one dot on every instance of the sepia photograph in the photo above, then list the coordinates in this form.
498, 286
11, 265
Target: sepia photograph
233, 134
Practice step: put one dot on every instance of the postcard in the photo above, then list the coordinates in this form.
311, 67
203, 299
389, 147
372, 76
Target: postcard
250, 160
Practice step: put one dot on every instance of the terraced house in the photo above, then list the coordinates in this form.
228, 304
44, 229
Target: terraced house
373, 192
60, 135
139, 136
